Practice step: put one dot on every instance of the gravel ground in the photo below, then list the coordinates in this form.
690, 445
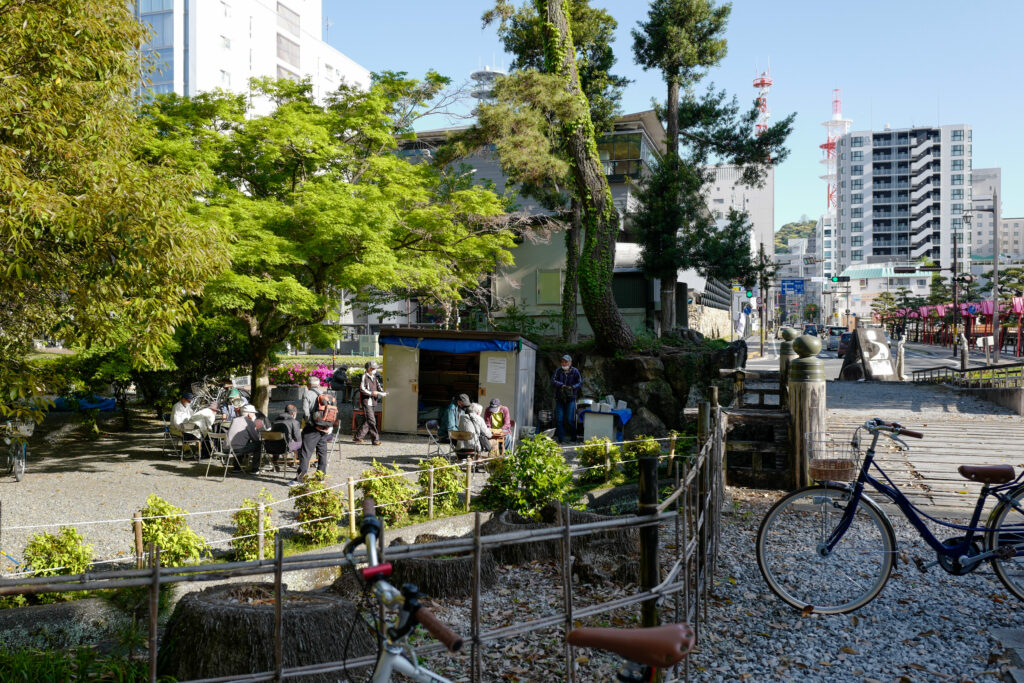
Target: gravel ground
922, 627
70, 480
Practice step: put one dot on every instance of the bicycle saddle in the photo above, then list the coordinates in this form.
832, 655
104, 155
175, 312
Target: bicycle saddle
987, 474
657, 646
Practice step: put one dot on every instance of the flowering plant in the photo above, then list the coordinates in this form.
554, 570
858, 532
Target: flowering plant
288, 374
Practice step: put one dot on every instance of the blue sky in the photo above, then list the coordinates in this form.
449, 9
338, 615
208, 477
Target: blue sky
903, 62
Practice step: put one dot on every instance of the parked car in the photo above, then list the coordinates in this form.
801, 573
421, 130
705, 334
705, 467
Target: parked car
844, 343
811, 329
832, 335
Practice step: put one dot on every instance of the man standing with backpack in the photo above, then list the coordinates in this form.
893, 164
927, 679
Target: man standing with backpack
370, 389
321, 412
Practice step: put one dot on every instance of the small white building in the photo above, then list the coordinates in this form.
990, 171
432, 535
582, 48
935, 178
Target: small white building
867, 281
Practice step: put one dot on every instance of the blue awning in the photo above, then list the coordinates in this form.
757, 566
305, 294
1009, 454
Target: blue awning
453, 345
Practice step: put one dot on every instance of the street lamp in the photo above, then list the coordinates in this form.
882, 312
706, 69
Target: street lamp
995, 266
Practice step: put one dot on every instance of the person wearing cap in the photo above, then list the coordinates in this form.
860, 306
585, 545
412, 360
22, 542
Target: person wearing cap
312, 438
449, 421
244, 437
499, 421
181, 412
567, 381
370, 389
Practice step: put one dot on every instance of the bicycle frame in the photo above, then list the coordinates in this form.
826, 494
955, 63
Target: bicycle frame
892, 492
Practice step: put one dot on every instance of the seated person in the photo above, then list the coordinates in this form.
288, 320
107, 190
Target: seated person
497, 418
288, 424
449, 421
198, 426
181, 411
472, 421
244, 437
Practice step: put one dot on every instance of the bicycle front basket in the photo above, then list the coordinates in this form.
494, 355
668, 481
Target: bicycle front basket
829, 460
24, 427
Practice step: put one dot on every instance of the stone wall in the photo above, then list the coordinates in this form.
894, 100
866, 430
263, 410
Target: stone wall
713, 323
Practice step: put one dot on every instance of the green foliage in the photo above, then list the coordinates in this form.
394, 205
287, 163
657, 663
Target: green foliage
80, 664
592, 454
390, 489
320, 510
641, 447
91, 238
531, 476
54, 554
448, 485
531, 327
247, 524
796, 230
178, 544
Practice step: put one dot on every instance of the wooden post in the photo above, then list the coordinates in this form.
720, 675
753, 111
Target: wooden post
649, 570
607, 459
713, 396
154, 608
703, 423
564, 513
786, 356
139, 552
671, 451
476, 665
351, 507
430, 494
469, 482
260, 508
806, 403
278, 617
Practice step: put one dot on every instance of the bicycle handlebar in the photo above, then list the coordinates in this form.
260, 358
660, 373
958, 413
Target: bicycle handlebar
896, 428
438, 629
369, 507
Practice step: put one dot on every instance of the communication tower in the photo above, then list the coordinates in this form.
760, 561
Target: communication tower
763, 83
483, 88
835, 128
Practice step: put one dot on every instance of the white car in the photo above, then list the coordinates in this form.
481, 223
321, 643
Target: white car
834, 332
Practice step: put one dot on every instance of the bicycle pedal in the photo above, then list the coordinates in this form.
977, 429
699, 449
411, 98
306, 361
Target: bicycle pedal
922, 567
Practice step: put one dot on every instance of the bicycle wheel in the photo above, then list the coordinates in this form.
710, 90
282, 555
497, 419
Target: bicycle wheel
18, 459
1007, 524
846, 579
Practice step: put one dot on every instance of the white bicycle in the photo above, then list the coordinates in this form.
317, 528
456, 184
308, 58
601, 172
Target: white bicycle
645, 649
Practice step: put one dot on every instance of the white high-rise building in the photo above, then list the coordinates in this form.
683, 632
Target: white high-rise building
902, 195
208, 44
726, 192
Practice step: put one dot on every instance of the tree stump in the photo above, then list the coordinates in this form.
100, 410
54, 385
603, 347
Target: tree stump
229, 630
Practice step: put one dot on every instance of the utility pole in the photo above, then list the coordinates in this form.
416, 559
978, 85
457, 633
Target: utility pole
995, 277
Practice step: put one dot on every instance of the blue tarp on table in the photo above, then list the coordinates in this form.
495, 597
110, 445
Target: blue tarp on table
100, 403
452, 345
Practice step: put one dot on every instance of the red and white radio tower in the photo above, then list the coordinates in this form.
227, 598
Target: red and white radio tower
763, 83
836, 127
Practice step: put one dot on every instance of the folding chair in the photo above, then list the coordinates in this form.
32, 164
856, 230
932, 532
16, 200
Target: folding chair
170, 440
274, 444
223, 451
471, 451
435, 447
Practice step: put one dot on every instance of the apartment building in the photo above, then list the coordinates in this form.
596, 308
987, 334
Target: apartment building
200, 45
726, 192
902, 194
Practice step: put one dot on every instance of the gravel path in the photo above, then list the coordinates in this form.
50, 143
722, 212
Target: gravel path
923, 627
72, 480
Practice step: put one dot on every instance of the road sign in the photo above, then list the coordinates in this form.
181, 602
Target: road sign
737, 288
758, 301
792, 286
747, 310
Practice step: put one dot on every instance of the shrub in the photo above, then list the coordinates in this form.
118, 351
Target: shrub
448, 484
592, 454
392, 492
532, 475
320, 510
56, 554
245, 543
641, 447
177, 542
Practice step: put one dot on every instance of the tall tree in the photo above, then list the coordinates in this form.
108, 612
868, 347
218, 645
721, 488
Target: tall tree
317, 202
97, 247
682, 39
521, 31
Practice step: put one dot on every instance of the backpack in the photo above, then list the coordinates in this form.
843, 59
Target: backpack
326, 413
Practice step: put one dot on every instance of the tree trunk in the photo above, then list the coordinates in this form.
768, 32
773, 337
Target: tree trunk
668, 304
600, 219
260, 359
570, 333
668, 280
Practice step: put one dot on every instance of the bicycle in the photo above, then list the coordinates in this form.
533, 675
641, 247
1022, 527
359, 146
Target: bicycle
829, 548
16, 434
645, 649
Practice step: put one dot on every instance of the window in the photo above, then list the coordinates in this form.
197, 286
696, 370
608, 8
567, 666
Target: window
957, 150
922, 283
828, 232
958, 135
285, 73
288, 19
857, 184
225, 78
225, 42
549, 286
162, 34
956, 223
856, 226
828, 244
856, 254
856, 241
287, 50
856, 212
156, 5
957, 179
857, 142
857, 169
842, 156
857, 156
863, 284
858, 198
957, 209
957, 194
958, 165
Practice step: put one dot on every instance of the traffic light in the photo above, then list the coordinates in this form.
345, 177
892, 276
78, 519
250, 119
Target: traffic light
840, 278
750, 294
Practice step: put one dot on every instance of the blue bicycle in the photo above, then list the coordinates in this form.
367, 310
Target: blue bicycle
829, 548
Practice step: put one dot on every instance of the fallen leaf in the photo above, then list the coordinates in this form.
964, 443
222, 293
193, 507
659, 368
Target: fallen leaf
850, 650
807, 610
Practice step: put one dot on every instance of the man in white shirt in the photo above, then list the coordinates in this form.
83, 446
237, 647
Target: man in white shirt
181, 412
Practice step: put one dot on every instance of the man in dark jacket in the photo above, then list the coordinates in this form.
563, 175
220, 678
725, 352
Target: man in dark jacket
288, 424
313, 439
244, 437
567, 381
370, 391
